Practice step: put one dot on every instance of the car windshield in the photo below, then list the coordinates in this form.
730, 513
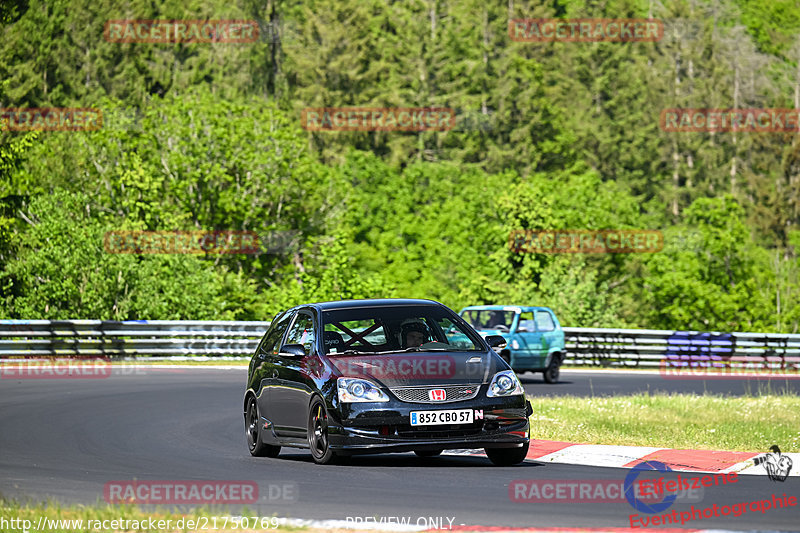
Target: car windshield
489, 319
389, 329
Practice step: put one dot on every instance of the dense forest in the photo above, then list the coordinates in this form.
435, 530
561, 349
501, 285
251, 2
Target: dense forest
547, 135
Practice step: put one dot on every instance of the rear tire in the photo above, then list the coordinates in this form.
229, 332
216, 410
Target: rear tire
507, 456
553, 370
252, 430
428, 453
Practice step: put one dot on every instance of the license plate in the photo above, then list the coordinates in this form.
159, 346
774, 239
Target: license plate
433, 418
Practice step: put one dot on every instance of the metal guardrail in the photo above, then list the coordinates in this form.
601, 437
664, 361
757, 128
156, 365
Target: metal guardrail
109, 338
658, 348
584, 346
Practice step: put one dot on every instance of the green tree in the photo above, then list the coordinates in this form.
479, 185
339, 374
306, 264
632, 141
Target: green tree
61, 271
56, 54
712, 284
197, 162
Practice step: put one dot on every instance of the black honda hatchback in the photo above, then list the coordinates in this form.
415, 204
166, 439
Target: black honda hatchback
374, 376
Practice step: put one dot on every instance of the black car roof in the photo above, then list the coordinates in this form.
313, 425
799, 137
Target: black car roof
378, 302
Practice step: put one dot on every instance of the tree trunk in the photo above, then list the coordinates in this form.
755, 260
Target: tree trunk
735, 106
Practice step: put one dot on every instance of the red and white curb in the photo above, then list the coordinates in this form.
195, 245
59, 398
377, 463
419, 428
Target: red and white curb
706, 461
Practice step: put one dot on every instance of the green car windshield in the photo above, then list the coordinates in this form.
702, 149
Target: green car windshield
489, 318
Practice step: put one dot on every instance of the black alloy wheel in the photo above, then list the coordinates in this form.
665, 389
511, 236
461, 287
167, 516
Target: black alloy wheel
318, 434
252, 430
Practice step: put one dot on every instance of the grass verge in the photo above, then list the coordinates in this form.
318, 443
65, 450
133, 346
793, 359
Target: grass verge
711, 422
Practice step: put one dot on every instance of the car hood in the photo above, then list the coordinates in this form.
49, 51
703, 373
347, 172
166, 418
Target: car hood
420, 368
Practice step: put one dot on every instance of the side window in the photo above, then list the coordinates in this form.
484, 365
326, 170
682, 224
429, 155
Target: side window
544, 322
270, 343
302, 332
526, 322
454, 335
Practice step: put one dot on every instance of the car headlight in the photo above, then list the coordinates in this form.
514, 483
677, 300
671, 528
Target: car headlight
359, 390
504, 383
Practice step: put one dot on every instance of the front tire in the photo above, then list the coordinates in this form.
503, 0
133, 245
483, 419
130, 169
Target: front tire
507, 456
318, 434
252, 430
553, 370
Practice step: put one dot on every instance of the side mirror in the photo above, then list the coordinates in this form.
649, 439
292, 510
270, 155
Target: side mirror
293, 350
496, 341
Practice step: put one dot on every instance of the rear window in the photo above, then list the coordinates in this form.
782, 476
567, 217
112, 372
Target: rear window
273, 336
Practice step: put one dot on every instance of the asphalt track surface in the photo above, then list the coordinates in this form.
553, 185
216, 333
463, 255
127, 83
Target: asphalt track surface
605, 383
64, 439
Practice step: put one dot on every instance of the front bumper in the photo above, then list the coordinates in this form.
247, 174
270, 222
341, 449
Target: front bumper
385, 427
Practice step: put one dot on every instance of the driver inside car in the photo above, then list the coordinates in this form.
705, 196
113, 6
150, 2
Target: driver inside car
497, 320
413, 333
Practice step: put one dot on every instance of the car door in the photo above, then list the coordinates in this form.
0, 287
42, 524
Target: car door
294, 388
552, 336
265, 366
526, 342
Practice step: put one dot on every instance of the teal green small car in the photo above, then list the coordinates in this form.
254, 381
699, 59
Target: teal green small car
534, 335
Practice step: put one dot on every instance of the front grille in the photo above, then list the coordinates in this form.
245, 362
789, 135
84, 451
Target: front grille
453, 393
450, 431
